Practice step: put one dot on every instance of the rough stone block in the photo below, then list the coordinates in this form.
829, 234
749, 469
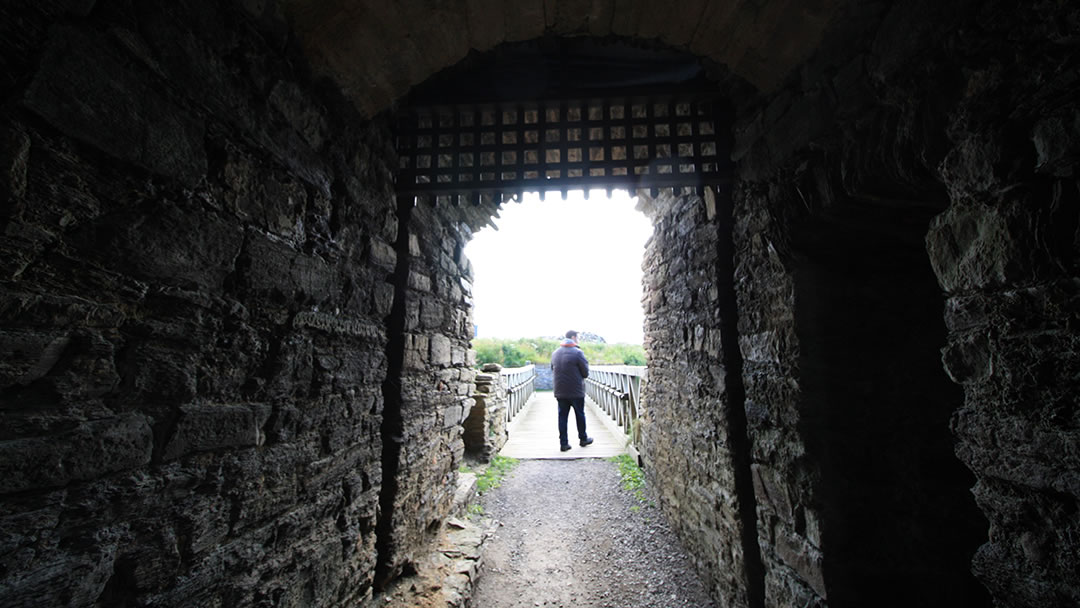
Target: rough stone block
274, 203
382, 299
967, 358
206, 518
26, 528
14, 159
771, 492
419, 282
300, 112
412, 314
416, 351
433, 313
457, 356
807, 561
1057, 144
92, 449
165, 242
965, 312
26, 355
73, 575
161, 373
382, 254
276, 266
440, 350
210, 427
267, 482
971, 166
448, 376
78, 89
763, 347
453, 415
283, 206
977, 247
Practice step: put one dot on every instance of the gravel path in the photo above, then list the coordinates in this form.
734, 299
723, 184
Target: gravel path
569, 537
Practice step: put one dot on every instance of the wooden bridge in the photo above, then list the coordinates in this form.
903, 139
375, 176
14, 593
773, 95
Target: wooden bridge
613, 395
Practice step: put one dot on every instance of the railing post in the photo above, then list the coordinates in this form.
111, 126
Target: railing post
520, 384
616, 390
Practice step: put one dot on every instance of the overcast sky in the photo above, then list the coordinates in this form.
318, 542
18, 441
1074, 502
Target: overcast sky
555, 265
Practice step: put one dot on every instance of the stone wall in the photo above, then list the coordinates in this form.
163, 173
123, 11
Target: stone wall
436, 383
687, 442
1007, 254
895, 134
544, 380
234, 367
193, 271
485, 427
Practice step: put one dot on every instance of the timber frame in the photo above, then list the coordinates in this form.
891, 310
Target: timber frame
493, 152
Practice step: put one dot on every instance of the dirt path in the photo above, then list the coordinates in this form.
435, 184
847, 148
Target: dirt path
571, 536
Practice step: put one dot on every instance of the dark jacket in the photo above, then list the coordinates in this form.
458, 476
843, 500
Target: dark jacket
569, 368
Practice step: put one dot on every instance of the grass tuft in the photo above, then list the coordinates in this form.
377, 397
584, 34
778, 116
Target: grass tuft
493, 475
631, 476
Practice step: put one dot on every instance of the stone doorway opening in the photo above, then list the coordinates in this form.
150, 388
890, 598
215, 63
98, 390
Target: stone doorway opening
229, 345
553, 264
794, 329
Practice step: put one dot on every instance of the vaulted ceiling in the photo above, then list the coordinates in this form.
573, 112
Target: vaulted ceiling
376, 51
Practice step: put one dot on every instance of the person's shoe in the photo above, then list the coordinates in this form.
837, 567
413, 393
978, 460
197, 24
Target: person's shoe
586, 441
563, 448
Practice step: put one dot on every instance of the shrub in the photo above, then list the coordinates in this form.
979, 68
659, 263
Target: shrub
515, 353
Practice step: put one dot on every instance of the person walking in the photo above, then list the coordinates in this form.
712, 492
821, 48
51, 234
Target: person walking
569, 369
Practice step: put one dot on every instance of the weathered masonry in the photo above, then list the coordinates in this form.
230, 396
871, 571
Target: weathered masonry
235, 350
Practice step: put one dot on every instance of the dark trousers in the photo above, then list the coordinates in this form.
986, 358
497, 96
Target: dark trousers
579, 417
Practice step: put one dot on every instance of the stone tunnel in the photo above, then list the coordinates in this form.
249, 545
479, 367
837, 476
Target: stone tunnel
235, 363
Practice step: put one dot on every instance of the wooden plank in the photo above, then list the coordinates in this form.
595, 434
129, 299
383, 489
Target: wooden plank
534, 433
609, 138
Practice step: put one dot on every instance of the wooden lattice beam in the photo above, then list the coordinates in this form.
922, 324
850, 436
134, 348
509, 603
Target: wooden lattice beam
500, 150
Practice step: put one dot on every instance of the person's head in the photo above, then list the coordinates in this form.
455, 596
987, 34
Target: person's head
571, 335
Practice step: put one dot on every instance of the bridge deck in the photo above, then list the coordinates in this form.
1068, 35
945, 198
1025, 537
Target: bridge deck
534, 433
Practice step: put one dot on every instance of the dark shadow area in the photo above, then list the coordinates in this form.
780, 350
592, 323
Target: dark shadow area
900, 524
741, 446
393, 425
553, 68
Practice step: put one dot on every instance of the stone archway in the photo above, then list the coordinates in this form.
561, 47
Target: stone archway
377, 51
770, 283
198, 238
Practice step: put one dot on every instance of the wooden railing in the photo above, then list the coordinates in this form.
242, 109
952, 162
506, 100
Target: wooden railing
520, 384
616, 389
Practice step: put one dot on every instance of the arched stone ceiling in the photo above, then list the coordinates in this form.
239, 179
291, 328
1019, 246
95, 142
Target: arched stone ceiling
377, 50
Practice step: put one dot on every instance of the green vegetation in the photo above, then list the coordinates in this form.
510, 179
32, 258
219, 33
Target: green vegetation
475, 509
632, 477
516, 353
494, 473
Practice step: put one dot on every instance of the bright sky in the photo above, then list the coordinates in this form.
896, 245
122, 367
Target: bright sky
555, 265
